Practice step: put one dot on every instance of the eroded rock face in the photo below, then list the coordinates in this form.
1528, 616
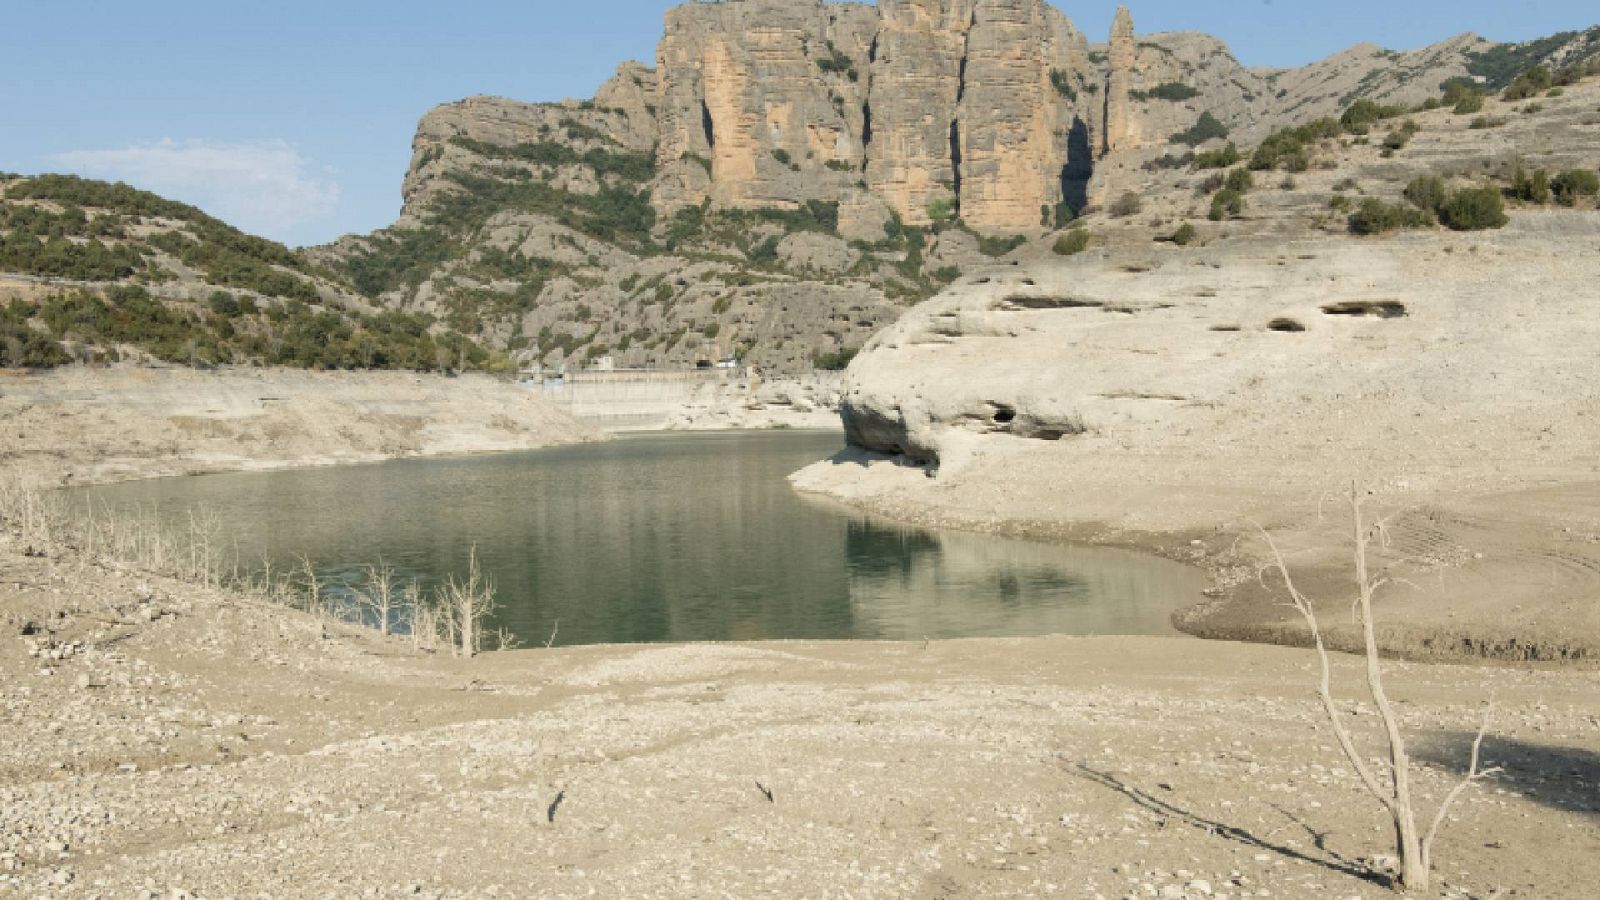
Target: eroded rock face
771, 93
1120, 133
1015, 124
932, 106
993, 110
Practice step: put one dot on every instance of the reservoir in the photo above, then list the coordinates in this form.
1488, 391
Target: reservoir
669, 537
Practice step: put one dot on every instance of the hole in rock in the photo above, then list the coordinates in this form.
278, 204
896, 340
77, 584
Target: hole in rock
1367, 309
1287, 326
1022, 301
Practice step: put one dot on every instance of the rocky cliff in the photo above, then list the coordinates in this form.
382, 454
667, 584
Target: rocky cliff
791, 173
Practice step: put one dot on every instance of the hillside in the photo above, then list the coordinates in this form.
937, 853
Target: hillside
785, 182
95, 272
790, 177
1401, 298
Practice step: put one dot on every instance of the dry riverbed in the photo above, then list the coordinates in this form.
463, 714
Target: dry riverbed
161, 740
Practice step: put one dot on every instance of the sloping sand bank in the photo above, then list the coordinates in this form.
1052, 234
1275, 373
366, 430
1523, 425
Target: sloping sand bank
198, 745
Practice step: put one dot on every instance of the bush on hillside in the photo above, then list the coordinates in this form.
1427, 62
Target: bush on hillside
1374, 216
1290, 148
1207, 128
1574, 184
1172, 91
1359, 116
1126, 205
1218, 159
1400, 137
1530, 84
835, 361
1427, 193
1072, 243
1474, 209
1227, 204
1533, 188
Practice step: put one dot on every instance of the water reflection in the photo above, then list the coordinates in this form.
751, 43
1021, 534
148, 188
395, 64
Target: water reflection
674, 538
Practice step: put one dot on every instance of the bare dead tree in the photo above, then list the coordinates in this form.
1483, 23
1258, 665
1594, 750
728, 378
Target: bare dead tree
1413, 847
466, 604
379, 597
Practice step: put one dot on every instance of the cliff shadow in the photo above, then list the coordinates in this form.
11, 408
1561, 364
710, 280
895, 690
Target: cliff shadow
1563, 778
1079, 170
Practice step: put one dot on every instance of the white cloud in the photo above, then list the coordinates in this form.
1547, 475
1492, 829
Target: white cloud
263, 187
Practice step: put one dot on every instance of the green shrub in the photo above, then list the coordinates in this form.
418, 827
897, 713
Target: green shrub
24, 347
836, 361
1427, 193
1063, 84
765, 253
1530, 83
838, 63
1531, 189
1172, 91
1474, 209
1359, 116
1072, 243
1240, 181
1374, 216
1185, 235
1483, 123
1218, 159
1469, 104
941, 210
1573, 184
997, 246
632, 166
1207, 128
1227, 204
1399, 137
1291, 148
782, 156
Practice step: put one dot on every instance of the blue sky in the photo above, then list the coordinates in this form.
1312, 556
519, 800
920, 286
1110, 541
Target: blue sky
294, 119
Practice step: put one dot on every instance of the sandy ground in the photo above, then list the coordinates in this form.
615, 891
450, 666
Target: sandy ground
194, 744
77, 425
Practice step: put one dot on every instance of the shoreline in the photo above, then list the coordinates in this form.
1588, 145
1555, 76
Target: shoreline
1529, 629
205, 743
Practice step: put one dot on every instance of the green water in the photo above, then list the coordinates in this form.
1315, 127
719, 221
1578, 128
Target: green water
672, 537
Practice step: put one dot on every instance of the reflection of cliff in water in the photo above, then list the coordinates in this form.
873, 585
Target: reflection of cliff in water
671, 538
908, 584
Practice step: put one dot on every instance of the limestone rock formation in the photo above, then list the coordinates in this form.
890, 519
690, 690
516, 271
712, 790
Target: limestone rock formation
768, 97
791, 173
1013, 124
1120, 131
